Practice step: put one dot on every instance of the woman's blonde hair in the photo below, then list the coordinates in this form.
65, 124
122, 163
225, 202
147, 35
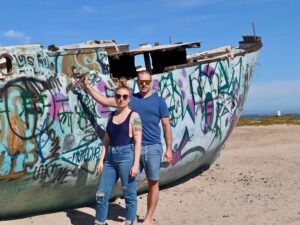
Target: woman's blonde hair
122, 84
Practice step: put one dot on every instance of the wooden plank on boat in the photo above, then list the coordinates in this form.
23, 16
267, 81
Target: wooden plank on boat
109, 45
211, 52
208, 59
87, 46
149, 48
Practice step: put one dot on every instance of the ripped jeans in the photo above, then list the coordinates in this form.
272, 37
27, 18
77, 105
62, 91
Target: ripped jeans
117, 164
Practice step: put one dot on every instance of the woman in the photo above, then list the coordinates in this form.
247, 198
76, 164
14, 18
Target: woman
120, 156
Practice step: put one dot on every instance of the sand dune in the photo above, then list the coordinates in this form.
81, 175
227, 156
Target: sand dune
255, 181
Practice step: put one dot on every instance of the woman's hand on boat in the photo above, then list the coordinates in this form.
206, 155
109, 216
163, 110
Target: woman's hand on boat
100, 167
85, 81
168, 156
134, 171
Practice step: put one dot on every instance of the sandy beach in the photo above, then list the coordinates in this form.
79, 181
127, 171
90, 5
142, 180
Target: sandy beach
256, 180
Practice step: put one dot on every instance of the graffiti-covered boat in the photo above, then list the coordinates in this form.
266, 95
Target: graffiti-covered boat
51, 130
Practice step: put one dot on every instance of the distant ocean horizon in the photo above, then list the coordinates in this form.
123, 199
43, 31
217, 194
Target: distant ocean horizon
265, 115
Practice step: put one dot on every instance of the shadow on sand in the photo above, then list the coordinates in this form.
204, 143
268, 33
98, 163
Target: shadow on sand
116, 212
186, 178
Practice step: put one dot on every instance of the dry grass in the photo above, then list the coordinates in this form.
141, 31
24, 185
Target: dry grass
288, 120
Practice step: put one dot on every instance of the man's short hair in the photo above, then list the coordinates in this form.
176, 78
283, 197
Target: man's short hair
143, 72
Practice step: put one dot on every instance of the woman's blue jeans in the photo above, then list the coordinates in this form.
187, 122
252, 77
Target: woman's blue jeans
117, 164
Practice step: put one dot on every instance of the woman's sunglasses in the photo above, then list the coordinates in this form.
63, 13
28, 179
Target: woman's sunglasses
141, 82
125, 97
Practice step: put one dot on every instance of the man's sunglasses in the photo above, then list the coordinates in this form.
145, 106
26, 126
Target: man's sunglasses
142, 82
125, 97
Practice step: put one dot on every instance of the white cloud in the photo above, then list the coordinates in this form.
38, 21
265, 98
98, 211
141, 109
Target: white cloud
277, 95
87, 9
14, 34
18, 35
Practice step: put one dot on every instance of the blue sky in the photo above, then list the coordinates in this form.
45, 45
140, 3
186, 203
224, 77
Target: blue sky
276, 82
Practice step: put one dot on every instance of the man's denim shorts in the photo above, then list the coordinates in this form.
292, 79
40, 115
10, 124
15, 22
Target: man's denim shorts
151, 157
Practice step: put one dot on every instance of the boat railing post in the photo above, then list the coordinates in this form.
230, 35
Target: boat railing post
254, 32
147, 62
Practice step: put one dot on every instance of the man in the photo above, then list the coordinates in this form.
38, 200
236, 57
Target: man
152, 109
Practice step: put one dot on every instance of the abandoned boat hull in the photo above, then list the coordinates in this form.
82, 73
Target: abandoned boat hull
51, 132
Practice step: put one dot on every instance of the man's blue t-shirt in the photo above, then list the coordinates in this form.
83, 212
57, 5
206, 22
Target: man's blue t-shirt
151, 110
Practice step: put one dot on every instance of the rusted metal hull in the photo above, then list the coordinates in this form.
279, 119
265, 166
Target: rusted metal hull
50, 132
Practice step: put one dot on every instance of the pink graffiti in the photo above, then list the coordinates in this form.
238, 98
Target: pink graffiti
155, 85
101, 86
180, 84
210, 112
184, 73
57, 105
208, 70
102, 110
190, 103
202, 107
175, 157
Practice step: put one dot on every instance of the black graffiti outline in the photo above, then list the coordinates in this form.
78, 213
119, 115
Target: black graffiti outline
25, 81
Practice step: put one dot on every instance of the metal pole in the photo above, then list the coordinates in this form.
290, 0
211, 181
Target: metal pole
253, 27
147, 62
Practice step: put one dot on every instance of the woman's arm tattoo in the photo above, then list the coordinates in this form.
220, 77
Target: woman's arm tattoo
137, 124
